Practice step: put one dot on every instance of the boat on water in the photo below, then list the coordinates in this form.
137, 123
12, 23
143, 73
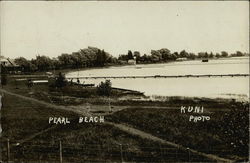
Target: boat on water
205, 60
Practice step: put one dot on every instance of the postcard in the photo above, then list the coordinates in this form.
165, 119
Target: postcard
124, 81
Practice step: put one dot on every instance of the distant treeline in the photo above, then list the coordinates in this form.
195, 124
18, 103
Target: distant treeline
165, 55
95, 57
88, 57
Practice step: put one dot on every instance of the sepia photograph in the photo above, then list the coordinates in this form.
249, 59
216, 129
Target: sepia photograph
124, 81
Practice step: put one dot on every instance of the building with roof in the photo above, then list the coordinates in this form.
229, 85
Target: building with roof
8, 65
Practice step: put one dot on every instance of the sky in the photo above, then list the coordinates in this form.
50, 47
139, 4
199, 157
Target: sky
54, 27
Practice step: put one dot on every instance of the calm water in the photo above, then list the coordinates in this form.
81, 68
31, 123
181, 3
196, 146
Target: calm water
226, 87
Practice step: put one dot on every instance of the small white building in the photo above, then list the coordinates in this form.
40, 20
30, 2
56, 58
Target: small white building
132, 62
181, 59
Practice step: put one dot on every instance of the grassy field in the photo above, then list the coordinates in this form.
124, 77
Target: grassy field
222, 135
21, 118
81, 142
98, 142
69, 95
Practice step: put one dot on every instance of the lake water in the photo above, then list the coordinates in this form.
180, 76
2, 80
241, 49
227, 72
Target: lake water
213, 87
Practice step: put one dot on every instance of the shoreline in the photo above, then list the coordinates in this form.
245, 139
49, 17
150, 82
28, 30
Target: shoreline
69, 70
238, 97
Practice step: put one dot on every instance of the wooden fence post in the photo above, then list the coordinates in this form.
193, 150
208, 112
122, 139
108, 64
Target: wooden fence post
8, 150
161, 151
121, 153
188, 154
176, 152
60, 144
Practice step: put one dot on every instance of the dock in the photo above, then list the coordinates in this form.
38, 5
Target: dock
159, 76
133, 77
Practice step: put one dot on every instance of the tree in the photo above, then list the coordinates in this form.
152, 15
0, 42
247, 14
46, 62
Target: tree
217, 55
3, 79
211, 55
156, 56
21, 61
176, 54
105, 56
112, 60
123, 57
192, 56
224, 54
206, 55
56, 64
104, 88
75, 57
130, 55
100, 58
43, 63
3, 75
144, 58
183, 54
60, 81
201, 55
239, 54
65, 60
137, 55
166, 55
26, 65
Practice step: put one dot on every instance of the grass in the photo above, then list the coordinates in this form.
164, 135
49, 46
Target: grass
21, 119
99, 143
81, 142
69, 95
173, 126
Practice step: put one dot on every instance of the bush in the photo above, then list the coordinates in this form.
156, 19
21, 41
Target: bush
104, 88
235, 128
60, 81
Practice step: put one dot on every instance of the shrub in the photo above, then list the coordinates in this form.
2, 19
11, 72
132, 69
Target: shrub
235, 128
60, 81
104, 88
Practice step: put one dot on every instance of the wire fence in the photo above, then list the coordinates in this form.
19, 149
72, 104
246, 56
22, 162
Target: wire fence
62, 152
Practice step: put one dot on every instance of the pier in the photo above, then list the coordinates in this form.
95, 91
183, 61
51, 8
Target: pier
24, 77
159, 76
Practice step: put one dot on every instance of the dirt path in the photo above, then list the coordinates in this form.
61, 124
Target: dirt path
122, 127
57, 107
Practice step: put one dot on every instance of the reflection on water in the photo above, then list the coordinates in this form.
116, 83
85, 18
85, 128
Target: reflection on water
226, 87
